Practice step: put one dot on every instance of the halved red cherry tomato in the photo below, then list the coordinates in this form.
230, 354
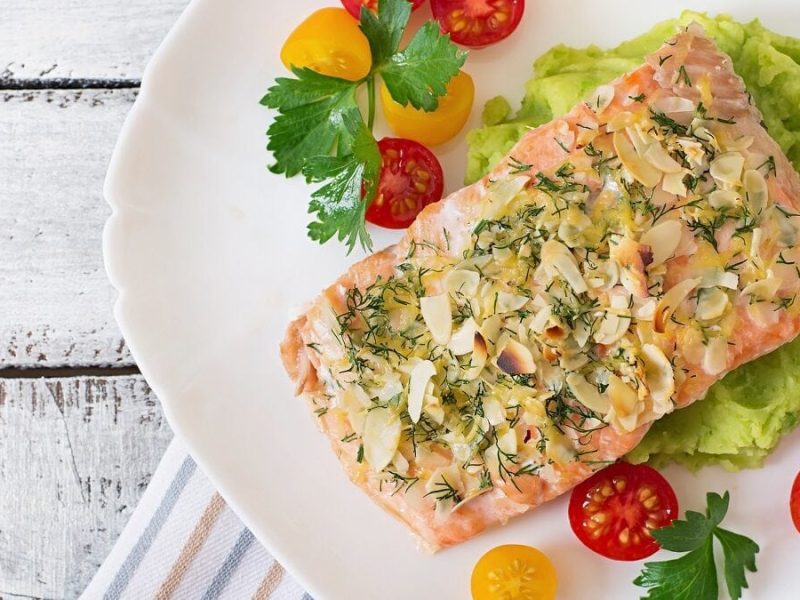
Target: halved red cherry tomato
478, 23
515, 572
354, 6
346, 54
435, 127
794, 502
614, 510
410, 179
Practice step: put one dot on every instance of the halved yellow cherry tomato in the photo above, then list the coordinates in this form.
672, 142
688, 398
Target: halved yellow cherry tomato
329, 42
514, 572
438, 126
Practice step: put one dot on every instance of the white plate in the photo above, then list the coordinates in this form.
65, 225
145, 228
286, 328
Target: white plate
209, 253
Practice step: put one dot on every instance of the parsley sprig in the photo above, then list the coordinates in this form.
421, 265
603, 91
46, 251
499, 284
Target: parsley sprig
319, 130
694, 575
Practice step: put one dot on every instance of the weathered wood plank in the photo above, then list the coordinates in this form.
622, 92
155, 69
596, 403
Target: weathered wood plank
77, 454
100, 39
57, 301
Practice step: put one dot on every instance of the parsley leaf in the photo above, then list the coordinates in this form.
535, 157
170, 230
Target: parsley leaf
690, 577
319, 130
310, 121
694, 575
740, 554
419, 74
384, 30
338, 203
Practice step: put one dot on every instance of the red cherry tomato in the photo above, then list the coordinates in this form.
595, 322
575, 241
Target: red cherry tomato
478, 23
794, 502
614, 510
354, 6
410, 179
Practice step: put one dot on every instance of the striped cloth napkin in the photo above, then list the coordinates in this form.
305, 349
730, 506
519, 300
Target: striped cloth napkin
183, 542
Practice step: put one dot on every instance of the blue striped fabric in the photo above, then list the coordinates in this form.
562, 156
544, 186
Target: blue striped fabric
139, 551
182, 545
229, 566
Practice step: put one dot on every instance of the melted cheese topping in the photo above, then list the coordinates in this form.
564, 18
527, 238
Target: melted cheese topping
561, 317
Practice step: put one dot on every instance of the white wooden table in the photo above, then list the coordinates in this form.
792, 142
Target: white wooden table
80, 431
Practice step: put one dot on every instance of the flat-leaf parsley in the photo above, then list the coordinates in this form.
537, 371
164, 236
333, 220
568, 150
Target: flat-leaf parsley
694, 575
319, 129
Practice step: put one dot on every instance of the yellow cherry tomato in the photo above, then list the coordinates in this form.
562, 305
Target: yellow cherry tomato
514, 572
329, 42
438, 126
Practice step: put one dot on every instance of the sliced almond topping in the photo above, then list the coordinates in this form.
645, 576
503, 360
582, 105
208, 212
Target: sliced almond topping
581, 332
381, 437
663, 240
444, 478
462, 281
763, 289
671, 300
501, 192
516, 359
674, 104
673, 184
421, 374
755, 187
715, 360
716, 277
621, 121
437, 316
611, 329
463, 340
494, 411
478, 358
659, 376
557, 256
509, 302
432, 407
602, 98
661, 160
711, 304
727, 167
587, 394
645, 310
723, 199
729, 280
624, 401
586, 133
606, 276
542, 319
641, 170
641, 140
630, 256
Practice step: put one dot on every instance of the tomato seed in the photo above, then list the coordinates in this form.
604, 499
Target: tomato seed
625, 536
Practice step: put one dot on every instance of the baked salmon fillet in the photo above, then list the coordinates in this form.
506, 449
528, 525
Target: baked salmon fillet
528, 329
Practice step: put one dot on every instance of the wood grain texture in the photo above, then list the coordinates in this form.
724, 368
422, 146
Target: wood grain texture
56, 298
105, 39
77, 454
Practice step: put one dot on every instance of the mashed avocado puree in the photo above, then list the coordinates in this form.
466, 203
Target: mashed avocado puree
743, 416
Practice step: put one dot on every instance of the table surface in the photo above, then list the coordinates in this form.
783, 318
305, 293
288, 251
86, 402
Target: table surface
80, 431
